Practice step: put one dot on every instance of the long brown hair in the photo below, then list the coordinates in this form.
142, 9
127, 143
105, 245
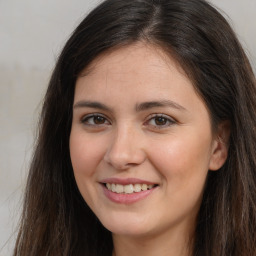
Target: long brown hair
56, 220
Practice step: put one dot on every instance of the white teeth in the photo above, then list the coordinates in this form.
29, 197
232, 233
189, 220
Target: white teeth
119, 188
144, 187
128, 189
137, 187
113, 187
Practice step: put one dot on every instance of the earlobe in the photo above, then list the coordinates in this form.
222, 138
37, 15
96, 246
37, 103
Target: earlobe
220, 146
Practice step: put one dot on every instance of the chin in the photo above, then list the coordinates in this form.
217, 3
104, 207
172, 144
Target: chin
127, 226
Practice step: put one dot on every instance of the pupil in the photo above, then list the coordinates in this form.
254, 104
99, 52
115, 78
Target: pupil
160, 121
98, 120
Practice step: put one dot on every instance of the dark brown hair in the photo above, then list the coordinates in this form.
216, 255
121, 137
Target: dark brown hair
56, 220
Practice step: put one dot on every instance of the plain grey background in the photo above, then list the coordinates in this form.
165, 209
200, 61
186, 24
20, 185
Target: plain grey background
32, 33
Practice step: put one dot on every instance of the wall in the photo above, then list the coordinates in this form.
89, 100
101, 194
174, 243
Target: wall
31, 36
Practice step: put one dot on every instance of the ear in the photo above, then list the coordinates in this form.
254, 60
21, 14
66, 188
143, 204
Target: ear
220, 146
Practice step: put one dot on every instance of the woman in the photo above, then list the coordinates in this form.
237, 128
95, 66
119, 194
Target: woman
147, 138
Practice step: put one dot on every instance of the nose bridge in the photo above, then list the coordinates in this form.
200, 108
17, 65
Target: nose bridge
126, 147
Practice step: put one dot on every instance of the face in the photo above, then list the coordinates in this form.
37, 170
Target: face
141, 142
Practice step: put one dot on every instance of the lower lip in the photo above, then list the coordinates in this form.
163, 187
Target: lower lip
127, 198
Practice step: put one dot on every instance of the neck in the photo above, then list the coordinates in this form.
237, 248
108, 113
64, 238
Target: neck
175, 244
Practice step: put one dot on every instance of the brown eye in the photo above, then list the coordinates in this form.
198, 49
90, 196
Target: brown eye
99, 120
159, 120
94, 120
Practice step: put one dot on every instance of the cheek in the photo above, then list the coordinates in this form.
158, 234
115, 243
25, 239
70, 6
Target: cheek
182, 161
85, 153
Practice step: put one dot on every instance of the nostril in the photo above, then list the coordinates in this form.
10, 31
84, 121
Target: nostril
125, 152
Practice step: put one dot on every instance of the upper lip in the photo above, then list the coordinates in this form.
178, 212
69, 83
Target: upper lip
126, 181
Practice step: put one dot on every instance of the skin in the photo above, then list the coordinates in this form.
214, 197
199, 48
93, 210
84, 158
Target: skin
175, 152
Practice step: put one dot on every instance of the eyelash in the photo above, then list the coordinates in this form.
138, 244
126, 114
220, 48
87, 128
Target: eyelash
167, 119
85, 119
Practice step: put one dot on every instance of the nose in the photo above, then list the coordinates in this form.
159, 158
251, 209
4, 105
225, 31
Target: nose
125, 149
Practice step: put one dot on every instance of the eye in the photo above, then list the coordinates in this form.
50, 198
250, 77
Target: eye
160, 121
95, 120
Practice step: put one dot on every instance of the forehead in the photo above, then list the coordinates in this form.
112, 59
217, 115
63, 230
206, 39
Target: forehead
127, 58
141, 65
133, 74
133, 68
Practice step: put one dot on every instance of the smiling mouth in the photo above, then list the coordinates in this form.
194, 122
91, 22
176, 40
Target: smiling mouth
128, 189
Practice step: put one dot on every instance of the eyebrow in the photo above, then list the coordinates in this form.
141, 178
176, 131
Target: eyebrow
139, 107
91, 104
160, 103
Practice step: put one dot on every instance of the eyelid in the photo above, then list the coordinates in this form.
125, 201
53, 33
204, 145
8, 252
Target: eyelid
170, 119
91, 115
